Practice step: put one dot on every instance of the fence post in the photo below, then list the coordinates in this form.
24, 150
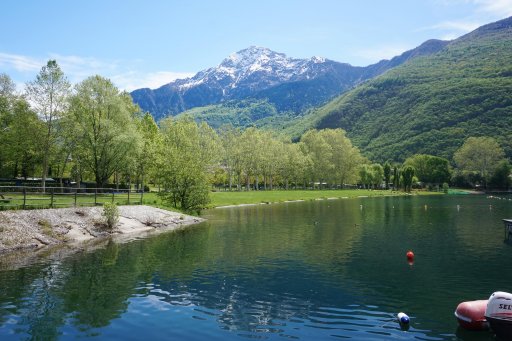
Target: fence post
75, 196
51, 197
95, 196
113, 196
141, 195
24, 197
129, 196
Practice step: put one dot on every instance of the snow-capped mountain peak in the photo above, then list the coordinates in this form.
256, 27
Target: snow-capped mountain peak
254, 68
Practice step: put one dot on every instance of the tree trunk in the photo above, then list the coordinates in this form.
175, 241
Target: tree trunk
45, 171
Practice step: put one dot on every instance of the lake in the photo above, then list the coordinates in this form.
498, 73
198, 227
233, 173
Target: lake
316, 270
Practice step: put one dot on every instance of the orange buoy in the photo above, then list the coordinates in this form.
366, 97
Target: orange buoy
410, 255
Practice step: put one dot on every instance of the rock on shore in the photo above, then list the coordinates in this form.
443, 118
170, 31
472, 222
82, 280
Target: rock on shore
36, 228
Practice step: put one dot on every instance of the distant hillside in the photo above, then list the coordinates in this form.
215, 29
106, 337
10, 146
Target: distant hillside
430, 104
257, 74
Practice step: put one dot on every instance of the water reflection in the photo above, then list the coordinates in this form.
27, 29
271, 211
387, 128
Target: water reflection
313, 270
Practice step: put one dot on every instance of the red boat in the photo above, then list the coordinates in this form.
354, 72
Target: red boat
471, 315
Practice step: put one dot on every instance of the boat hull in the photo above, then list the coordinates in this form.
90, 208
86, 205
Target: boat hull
471, 315
502, 328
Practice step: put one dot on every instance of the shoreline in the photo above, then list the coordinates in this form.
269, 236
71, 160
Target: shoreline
313, 199
35, 230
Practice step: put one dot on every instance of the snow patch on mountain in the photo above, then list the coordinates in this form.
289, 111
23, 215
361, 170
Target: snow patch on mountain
257, 66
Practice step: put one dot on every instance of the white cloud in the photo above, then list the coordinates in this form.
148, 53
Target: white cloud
77, 68
132, 80
482, 12
19, 63
457, 25
500, 8
378, 53
453, 29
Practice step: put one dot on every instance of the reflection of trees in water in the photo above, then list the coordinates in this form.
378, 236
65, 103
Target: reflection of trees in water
273, 264
42, 307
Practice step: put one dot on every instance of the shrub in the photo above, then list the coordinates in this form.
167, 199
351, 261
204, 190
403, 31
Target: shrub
445, 187
111, 214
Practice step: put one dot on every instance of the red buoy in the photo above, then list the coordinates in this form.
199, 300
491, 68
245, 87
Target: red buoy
410, 255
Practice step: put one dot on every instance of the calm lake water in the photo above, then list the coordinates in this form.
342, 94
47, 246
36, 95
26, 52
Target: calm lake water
319, 270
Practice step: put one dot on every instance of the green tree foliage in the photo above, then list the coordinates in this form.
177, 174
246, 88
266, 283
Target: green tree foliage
7, 86
231, 157
49, 94
103, 123
407, 177
387, 174
150, 142
365, 175
430, 169
185, 162
377, 175
295, 164
396, 177
500, 178
20, 131
334, 159
479, 155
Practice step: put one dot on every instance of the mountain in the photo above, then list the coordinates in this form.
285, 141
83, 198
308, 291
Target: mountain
259, 74
431, 103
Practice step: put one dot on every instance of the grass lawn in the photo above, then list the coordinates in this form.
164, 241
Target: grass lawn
217, 198
256, 197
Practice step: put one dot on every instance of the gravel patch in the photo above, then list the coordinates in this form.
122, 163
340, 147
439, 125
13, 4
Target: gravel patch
34, 229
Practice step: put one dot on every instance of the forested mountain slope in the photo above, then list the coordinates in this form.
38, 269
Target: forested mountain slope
430, 104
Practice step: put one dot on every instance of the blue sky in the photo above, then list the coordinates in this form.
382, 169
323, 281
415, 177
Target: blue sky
149, 43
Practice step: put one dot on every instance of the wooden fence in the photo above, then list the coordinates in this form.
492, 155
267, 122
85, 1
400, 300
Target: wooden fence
20, 197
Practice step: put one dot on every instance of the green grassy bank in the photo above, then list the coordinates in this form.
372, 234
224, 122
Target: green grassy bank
256, 197
219, 199
16, 201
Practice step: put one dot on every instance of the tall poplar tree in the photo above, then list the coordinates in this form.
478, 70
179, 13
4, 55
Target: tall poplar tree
48, 94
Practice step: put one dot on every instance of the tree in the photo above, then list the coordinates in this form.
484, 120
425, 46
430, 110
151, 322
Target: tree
104, 127
185, 162
229, 142
150, 141
48, 93
479, 155
20, 131
396, 177
387, 174
295, 165
345, 158
500, 178
7, 86
430, 169
366, 175
321, 155
377, 175
407, 177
